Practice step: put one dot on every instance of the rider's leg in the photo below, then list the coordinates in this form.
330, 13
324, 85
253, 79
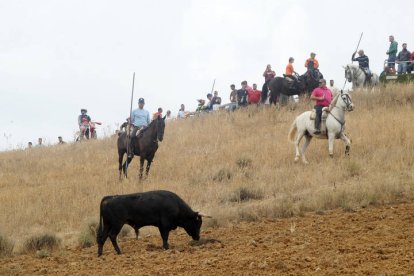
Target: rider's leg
131, 142
318, 119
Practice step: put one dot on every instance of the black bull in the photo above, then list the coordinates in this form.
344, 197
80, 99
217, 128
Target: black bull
162, 209
145, 145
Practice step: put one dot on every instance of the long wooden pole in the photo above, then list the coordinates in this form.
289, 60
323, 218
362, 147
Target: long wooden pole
352, 61
130, 120
212, 88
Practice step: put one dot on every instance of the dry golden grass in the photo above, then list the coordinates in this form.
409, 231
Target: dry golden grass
233, 166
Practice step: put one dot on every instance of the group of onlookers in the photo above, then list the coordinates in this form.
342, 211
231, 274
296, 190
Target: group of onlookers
40, 142
404, 58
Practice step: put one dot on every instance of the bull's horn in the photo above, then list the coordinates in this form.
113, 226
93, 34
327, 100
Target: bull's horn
203, 215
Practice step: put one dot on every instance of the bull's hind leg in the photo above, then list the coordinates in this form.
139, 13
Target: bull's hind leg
308, 138
347, 143
101, 238
113, 233
299, 136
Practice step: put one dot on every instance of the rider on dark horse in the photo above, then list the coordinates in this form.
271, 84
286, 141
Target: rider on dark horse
312, 65
291, 75
363, 62
140, 119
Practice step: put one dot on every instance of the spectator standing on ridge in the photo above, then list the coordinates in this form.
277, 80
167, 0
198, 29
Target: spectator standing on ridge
410, 67
168, 116
404, 56
216, 101
254, 95
60, 140
39, 143
29, 145
242, 94
332, 87
182, 114
233, 94
268, 74
392, 53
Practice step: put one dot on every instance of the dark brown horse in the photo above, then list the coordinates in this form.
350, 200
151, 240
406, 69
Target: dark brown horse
144, 145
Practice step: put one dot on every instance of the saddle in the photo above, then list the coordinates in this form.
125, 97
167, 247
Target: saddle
325, 113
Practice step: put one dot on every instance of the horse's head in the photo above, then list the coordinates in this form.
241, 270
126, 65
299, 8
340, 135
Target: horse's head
160, 128
345, 101
348, 73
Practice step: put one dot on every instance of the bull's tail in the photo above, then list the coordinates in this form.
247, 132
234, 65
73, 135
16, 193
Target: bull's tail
292, 132
99, 232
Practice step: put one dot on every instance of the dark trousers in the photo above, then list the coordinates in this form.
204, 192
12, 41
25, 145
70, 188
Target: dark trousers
318, 117
265, 91
132, 140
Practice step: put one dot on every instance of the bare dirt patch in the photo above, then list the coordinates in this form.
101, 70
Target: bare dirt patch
371, 241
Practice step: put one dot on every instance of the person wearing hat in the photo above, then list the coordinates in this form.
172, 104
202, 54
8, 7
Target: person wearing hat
312, 63
323, 97
83, 122
363, 62
140, 118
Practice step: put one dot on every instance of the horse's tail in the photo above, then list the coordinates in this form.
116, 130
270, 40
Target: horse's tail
292, 132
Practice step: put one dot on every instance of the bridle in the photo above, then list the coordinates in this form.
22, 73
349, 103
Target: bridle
348, 102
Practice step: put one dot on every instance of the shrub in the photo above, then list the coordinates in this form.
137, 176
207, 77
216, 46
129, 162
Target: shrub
244, 163
87, 237
222, 175
39, 242
242, 194
6, 246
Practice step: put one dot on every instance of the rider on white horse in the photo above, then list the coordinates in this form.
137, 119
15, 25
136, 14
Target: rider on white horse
363, 62
323, 97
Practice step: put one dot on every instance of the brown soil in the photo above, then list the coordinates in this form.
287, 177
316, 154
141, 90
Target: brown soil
371, 241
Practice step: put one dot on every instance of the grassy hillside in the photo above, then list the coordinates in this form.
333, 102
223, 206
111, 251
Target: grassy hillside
233, 166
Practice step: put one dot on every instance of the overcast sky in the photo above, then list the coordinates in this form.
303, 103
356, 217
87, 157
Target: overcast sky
59, 56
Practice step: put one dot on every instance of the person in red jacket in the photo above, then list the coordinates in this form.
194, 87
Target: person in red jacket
254, 95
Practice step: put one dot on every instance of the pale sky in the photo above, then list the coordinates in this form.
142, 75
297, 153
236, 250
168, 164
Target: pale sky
57, 57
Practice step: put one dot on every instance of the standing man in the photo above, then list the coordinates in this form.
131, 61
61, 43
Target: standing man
60, 140
323, 97
140, 119
254, 95
333, 88
268, 74
39, 143
404, 56
392, 53
216, 101
29, 145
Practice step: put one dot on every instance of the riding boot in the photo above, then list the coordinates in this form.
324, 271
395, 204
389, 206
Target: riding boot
318, 120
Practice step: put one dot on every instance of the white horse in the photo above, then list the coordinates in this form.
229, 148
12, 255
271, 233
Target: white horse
357, 76
335, 126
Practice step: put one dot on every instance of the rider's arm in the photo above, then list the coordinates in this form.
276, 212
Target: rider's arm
79, 120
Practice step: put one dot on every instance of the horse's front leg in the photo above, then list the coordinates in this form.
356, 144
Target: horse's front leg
141, 167
331, 140
120, 159
347, 142
126, 165
149, 161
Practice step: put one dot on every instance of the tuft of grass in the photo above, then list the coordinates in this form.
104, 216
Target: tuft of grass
353, 169
43, 253
6, 246
39, 242
222, 175
243, 194
87, 236
244, 163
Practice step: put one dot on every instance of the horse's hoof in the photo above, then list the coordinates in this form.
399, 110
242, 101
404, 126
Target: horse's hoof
296, 159
331, 155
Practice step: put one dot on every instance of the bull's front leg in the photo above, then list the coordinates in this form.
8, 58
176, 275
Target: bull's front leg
164, 235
